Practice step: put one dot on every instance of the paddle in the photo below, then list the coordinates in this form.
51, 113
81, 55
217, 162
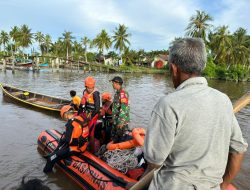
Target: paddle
145, 181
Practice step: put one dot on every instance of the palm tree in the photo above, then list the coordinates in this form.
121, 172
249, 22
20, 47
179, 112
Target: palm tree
47, 43
240, 43
15, 34
141, 55
57, 48
4, 39
198, 25
25, 37
121, 38
102, 42
39, 37
67, 41
86, 43
219, 41
129, 56
77, 49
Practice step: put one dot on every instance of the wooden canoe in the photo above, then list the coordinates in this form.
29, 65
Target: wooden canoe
42, 101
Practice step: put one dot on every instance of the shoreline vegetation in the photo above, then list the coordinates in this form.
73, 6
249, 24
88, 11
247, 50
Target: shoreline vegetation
228, 53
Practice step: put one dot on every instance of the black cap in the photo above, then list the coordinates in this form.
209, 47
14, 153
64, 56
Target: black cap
117, 79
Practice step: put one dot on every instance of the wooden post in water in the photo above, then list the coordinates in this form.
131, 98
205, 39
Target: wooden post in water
78, 65
52, 64
57, 64
4, 65
13, 65
37, 63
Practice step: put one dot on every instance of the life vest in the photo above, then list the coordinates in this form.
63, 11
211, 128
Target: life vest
80, 134
88, 100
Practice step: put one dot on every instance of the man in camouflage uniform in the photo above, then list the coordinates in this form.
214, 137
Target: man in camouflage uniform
120, 111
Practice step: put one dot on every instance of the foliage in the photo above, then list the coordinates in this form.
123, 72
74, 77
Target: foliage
234, 73
199, 25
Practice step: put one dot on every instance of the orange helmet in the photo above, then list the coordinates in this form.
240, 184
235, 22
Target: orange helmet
106, 96
90, 82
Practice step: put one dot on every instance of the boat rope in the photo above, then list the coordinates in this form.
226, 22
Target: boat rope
122, 160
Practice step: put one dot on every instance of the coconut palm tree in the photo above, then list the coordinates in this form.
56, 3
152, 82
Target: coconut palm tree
240, 43
120, 38
67, 41
15, 34
86, 43
199, 25
47, 43
4, 39
39, 37
57, 48
219, 41
129, 56
77, 49
102, 42
25, 37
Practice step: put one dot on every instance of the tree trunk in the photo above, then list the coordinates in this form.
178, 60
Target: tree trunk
86, 59
67, 56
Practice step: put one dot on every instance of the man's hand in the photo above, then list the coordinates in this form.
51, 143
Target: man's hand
129, 185
232, 169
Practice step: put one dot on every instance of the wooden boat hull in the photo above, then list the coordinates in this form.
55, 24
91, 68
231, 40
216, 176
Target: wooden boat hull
86, 170
41, 101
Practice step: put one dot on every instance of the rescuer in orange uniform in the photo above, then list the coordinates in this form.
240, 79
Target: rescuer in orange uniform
90, 102
73, 141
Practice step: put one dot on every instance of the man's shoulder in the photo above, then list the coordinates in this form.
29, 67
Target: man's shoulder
180, 96
123, 93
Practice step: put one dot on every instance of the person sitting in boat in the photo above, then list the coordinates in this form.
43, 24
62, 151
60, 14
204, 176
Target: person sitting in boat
73, 141
103, 128
90, 102
120, 111
75, 101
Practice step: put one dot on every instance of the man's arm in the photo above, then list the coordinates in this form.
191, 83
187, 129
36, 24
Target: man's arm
149, 168
232, 169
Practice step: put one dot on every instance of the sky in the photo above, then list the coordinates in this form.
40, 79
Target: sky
153, 24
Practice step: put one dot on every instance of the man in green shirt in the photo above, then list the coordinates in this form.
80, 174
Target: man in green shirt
120, 111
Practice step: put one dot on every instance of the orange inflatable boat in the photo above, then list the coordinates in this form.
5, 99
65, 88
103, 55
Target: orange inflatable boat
87, 170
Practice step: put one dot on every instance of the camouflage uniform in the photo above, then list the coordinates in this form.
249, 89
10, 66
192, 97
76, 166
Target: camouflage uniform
120, 115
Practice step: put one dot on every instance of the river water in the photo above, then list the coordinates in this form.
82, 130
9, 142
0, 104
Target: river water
20, 125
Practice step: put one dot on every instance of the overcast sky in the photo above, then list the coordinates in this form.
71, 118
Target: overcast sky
152, 23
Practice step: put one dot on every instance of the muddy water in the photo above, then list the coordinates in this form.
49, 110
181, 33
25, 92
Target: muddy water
20, 125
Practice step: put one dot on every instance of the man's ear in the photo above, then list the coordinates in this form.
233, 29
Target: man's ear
174, 69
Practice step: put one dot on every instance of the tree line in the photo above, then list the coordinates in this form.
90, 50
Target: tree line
228, 53
225, 49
